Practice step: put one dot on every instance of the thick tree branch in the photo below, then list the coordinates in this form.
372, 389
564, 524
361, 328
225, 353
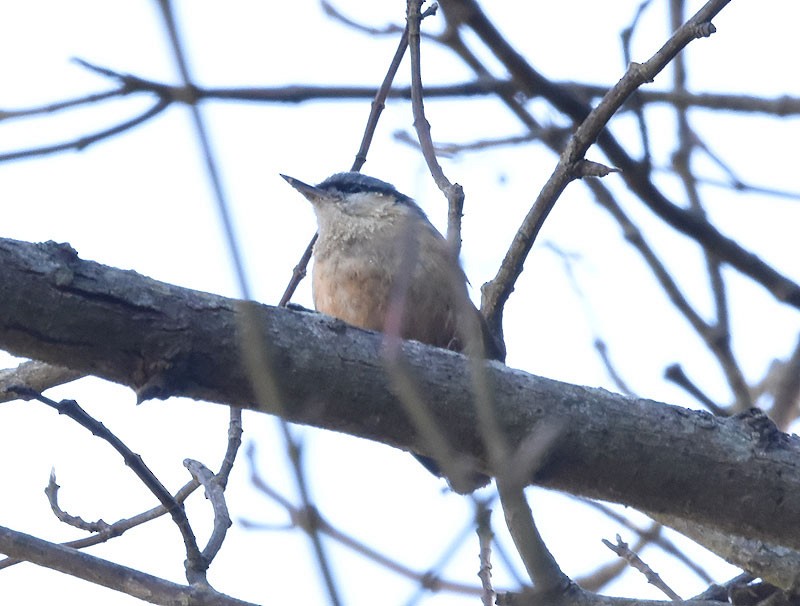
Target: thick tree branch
738, 475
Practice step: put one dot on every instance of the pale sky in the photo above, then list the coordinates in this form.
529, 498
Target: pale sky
143, 201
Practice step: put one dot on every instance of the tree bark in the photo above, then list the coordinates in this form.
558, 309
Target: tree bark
738, 475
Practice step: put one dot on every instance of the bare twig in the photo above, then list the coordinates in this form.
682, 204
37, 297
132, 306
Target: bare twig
676, 374
563, 97
423, 578
716, 336
452, 191
76, 521
602, 350
743, 187
485, 85
653, 535
540, 564
636, 102
777, 106
215, 492
195, 564
234, 442
333, 12
602, 576
496, 293
120, 527
105, 531
85, 141
51, 108
108, 574
298, 273
483, 516
490, 431
623, 551
451, 149
379, 102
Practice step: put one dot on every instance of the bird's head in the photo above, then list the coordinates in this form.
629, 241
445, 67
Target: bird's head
353, 195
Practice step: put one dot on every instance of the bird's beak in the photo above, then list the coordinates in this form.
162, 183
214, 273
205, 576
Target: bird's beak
313, 194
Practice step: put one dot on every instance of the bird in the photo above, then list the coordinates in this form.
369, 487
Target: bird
375, 247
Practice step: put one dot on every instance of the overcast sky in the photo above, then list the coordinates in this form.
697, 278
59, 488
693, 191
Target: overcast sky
143, 201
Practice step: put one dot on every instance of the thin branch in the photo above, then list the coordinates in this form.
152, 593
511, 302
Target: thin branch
485, 85
636, 102
379, 102
120, 527
652, 535
451, 149
51, 108
334, 13
51, 491
717, 336
496, 293
105, 531
602, 350
493, 438
120, 578
453, 192
540, 564
676, 374
215, 493
299, 272
85, 141
483, 516
528, 458
741, 186
195, 563
603, 575
359, 547
622, 550
234, 442
729, 102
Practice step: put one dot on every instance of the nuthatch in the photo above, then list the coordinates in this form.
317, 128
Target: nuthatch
377, 251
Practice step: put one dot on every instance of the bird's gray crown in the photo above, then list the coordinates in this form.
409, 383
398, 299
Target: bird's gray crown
355, 183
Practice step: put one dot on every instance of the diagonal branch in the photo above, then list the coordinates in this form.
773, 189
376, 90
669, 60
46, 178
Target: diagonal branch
196, 563
452, 191
567, 100
108, 574
496, 292
85, 141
